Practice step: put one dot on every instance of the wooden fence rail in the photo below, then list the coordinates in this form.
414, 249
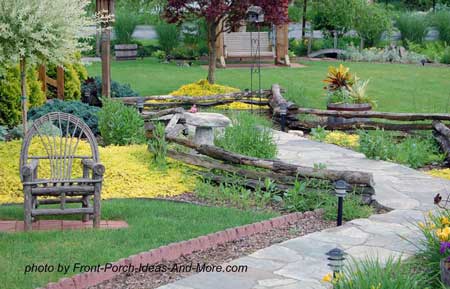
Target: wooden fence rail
58, 83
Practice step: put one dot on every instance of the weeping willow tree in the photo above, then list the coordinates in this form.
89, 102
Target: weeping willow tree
38, 31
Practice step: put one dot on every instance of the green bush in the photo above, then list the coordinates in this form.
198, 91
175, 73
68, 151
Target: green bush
117, 89
158, 146
168, 36
87, 113
124, 26
441, 20
371, 21
413, 151
250, 135
120, 124
3, 133
413, 27
446, 56
377, 274
74, 75
434, 51
10, 107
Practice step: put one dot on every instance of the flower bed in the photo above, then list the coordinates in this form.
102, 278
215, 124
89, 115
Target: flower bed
129, 173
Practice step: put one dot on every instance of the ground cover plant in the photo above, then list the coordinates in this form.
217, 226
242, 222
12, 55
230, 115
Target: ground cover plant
414, 151
307, 195
151, 224
130, 173
249, 135
396, 87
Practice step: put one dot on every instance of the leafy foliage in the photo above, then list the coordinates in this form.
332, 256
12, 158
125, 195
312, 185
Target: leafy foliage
85, 112
335, 15
10, 114
168, 37
441, 20
124, 25
3, 133
120, 124
39, 30
413, 27
74, 74
376, 274
250, 135
158, 146
91, 90
371, 21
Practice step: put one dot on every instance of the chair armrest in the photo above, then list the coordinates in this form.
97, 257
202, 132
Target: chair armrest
97, 168
29, 170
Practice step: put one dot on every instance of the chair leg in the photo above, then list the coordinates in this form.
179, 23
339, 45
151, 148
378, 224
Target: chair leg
28, 204
85, 204
97, 208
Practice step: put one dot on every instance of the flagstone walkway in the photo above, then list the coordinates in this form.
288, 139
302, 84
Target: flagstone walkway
301, 263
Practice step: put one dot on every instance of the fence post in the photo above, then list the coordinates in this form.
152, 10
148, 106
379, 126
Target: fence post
43, 77
60, 82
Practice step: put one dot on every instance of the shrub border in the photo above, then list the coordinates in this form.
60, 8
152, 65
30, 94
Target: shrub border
173, 251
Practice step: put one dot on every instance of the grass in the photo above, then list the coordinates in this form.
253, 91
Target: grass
396, 87
152, 224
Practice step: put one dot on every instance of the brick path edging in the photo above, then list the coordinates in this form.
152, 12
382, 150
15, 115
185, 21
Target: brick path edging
173, 251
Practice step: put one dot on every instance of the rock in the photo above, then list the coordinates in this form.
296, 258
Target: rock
204, 119
296, 132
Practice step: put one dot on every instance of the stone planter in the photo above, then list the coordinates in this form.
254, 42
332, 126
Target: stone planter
333, 120
445, 272
126, 51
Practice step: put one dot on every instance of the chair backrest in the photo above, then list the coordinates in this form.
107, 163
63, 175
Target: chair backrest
59, 134
246, 42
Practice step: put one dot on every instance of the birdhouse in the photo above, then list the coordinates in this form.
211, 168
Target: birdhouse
255, 14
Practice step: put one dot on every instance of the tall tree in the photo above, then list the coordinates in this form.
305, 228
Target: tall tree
221, 16
37, 31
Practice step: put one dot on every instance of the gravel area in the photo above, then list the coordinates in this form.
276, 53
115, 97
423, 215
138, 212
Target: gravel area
216, 256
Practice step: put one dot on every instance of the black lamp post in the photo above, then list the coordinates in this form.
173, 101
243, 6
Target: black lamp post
340, 188
283, 114
140, 104
336, 258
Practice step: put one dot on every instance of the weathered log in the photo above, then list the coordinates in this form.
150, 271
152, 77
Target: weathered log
370, 125
352, 177
204, 104
211, 164
442, 129
156, 114
228, 96
374, 114
277, 99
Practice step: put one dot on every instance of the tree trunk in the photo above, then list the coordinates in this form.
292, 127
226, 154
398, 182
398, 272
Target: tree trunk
212, 27
305, 3
23, 87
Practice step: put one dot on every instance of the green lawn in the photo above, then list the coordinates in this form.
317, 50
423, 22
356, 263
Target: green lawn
397, 87
152, 224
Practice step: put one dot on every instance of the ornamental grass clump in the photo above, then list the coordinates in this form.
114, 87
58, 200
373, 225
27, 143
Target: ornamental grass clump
120, 124
158, 146
249, 135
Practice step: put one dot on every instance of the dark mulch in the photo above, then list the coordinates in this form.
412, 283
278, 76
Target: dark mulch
219, 255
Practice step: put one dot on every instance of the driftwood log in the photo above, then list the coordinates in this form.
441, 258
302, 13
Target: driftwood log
442, 135
351, 177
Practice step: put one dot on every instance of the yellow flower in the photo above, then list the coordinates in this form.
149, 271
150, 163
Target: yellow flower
443, 234
328, 277
421, 225
342, 139
445, 221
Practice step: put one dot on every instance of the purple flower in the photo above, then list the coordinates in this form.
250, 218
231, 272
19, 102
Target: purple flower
444, 247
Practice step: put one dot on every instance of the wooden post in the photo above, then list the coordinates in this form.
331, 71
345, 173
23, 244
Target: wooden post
108, 7
60, 82
23, 88
282, 47
42, 76
220, 46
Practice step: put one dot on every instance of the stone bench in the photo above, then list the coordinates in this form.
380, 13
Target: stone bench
204, 124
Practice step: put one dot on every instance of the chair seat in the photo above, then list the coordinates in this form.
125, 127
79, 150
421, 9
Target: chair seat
72, 187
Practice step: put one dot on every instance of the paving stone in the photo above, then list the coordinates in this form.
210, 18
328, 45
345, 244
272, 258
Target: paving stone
306, 246
308, 269
276, 282
277, 253
216, 280
174, 286
263, 264
345, 235
381, 254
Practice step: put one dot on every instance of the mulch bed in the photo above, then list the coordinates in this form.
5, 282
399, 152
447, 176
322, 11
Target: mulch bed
219, 255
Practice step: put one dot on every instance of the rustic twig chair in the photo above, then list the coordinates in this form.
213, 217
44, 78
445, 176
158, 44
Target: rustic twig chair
59, 135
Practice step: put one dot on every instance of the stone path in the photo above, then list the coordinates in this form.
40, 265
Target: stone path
301, 262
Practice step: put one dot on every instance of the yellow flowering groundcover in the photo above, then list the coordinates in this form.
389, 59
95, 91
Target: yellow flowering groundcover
443, 173
129, 173
204, 88
343, 139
